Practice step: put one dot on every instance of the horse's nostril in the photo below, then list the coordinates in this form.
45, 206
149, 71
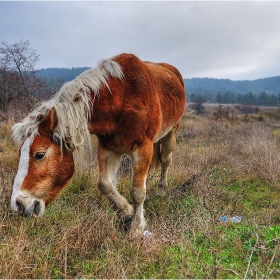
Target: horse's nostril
20, 207
37, 208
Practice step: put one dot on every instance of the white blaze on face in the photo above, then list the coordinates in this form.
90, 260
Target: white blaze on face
22, 171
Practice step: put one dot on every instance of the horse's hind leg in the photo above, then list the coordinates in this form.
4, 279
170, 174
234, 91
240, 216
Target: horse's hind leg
168, 143
108, 166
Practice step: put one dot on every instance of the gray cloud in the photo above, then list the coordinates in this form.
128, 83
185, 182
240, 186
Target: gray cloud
236, 40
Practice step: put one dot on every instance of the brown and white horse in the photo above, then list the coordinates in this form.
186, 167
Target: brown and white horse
133, 107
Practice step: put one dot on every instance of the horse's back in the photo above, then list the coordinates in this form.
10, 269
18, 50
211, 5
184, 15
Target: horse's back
160, 81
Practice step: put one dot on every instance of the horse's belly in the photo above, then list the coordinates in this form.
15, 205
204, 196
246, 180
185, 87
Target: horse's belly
163, 132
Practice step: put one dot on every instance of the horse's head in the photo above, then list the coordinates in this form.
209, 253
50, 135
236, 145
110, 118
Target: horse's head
45, 166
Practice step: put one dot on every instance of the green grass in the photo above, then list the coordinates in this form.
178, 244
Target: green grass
276, 131
225, 256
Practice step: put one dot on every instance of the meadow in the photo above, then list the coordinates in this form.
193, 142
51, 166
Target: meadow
222, 166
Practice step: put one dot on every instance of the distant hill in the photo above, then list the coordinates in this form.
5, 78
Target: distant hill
214, 86
194, 85
67, 74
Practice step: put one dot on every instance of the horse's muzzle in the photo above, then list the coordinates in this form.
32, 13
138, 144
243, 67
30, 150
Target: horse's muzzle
32, 211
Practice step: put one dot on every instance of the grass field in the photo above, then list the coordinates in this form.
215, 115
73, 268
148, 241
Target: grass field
220, 168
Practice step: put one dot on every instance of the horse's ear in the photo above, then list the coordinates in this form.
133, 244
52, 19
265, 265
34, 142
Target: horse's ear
49, 123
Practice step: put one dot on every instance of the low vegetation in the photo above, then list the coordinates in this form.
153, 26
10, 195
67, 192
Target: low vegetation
221, 168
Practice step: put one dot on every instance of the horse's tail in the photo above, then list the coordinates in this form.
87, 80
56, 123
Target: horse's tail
155, 164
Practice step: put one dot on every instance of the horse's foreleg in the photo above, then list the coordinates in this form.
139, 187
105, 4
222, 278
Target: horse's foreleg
168, 145
108, 166
141, 160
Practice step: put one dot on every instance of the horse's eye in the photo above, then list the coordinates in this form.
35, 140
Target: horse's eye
39, 155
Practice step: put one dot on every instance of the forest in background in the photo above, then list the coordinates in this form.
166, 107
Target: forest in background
262, 92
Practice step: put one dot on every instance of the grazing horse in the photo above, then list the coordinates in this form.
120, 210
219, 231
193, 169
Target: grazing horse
132, 106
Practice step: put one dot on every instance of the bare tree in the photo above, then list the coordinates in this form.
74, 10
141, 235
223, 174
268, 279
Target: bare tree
198, 104
18, 78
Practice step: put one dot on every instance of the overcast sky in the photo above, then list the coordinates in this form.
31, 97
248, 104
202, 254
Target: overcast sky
235, 40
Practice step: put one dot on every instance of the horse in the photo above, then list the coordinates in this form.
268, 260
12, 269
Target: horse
133, 107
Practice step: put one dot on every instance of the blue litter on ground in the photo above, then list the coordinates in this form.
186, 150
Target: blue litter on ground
236, 219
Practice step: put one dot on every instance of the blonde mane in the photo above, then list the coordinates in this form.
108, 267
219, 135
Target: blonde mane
73, 104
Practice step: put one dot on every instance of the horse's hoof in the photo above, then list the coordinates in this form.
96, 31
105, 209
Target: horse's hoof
162, 190
126, 217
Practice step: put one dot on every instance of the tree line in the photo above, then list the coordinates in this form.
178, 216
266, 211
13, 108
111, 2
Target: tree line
66, 74
207, 86
262, 99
